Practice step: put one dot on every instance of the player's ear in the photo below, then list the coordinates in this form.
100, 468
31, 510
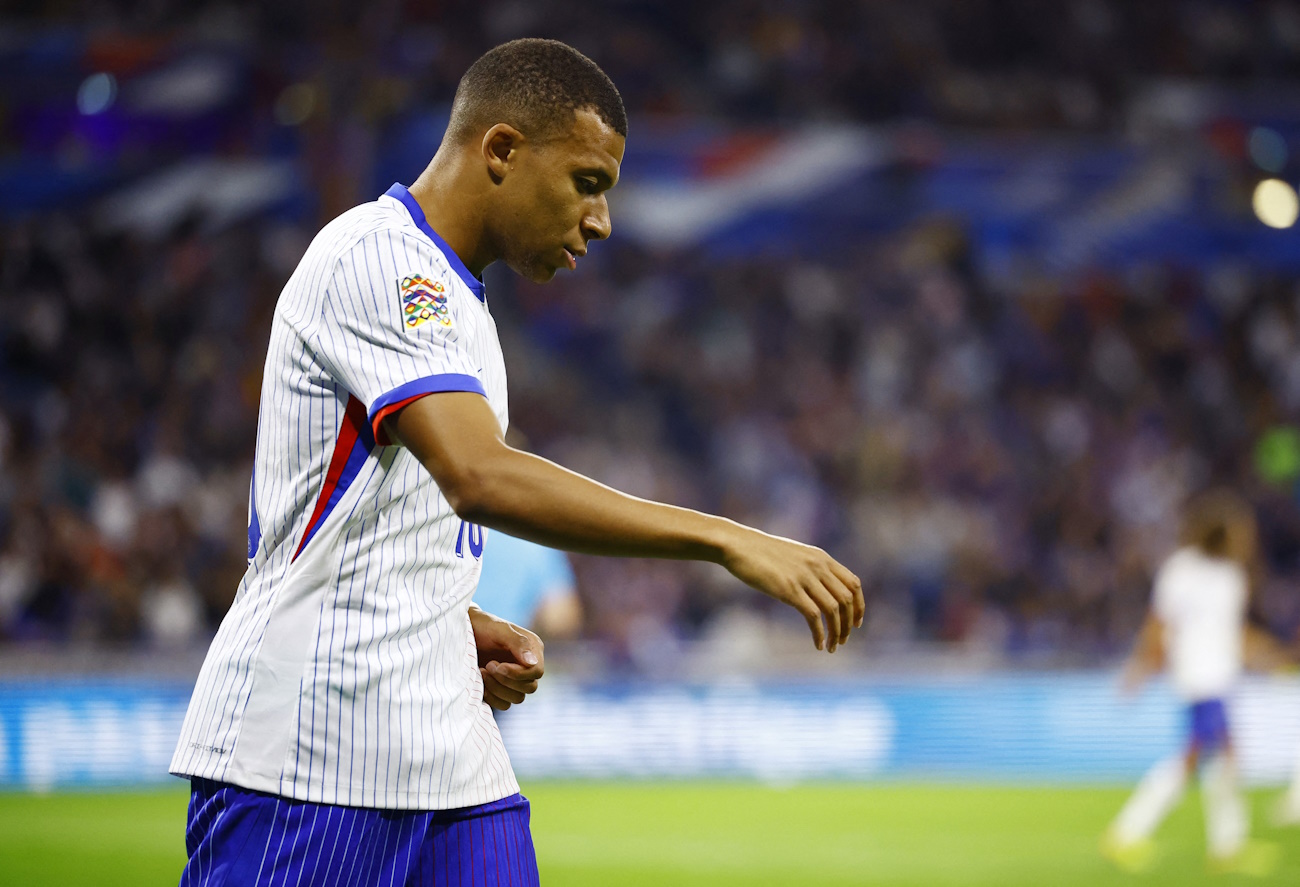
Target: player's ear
500, 146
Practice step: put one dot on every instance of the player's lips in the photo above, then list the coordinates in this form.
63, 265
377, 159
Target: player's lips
571, 257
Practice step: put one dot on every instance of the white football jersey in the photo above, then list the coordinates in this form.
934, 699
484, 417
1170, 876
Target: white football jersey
1201, 602
345, 671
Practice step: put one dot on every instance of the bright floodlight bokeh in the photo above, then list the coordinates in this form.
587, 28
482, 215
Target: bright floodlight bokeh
1275, 203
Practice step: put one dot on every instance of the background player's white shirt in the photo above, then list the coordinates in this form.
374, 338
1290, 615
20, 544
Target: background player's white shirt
345, 671
1201, 601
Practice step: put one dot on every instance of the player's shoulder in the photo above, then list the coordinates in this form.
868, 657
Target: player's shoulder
1187, 561
1191, 568
1185, 558
1175, 572
381, 227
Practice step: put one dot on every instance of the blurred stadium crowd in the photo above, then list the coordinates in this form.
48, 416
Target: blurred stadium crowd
1001, 458
999, 62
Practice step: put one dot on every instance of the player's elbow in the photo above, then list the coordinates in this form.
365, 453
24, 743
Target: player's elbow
463, 491
471, 491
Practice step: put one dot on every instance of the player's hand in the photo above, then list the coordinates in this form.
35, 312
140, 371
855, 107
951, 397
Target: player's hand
823, 590
511, 659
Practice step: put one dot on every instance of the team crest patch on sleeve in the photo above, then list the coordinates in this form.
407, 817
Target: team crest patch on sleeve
423, 300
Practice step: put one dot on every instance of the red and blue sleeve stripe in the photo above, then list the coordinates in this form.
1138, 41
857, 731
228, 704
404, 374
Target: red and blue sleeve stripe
387, 404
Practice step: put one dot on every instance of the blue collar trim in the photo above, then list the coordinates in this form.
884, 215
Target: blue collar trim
399, 192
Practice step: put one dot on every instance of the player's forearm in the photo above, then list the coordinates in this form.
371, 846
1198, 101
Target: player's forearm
1148, 653
535, 499
458, 439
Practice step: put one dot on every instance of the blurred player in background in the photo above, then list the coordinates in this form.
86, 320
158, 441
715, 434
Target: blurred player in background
1197, 629
529, 585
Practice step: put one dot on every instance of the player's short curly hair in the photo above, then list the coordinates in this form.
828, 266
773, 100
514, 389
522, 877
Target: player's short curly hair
534, 85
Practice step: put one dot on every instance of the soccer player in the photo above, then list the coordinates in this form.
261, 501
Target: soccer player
1196, 626
338, 732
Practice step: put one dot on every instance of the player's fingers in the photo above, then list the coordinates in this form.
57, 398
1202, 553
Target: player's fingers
528, 650
518, 686
516, 672
505, 675
830, 608
501, 691
854, 585
493, 700
509, 694
514, 697
811, 614
846, 618
843, 601
845, 598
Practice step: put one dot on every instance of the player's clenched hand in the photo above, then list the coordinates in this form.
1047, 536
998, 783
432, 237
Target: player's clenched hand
827, 593
511, 659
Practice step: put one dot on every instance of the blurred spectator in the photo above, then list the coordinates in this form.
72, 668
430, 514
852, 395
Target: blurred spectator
1008, 63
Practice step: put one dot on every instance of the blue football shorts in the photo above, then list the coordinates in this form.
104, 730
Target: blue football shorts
243, 838
1208, 726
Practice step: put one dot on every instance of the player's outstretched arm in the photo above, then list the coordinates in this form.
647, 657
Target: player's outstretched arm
457, 438
1148, 655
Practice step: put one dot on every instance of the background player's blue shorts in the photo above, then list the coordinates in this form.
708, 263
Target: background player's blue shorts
1208, 723
243, 838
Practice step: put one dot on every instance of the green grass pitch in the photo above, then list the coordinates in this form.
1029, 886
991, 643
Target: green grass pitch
716, 834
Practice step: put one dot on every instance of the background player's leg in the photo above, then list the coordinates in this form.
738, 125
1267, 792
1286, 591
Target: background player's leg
491, 844
1288, 806
1155, 796
1227, 818
1227, 821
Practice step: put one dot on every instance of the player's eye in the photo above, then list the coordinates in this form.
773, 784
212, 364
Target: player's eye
587, 184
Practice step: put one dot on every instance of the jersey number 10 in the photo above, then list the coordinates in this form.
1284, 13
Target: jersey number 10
475, 535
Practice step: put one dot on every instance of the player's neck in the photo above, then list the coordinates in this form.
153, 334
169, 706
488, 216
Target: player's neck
454, 211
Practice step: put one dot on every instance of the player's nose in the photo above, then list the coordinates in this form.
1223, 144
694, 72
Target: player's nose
596, 223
